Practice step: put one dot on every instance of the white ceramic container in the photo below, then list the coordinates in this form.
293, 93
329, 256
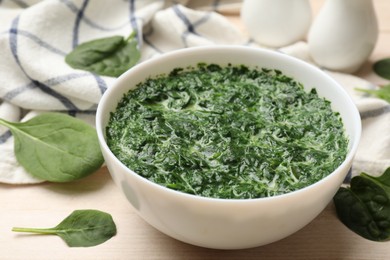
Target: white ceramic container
343, 35
276, 23
228, 223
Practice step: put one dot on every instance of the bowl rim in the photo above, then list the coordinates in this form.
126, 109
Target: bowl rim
102, 107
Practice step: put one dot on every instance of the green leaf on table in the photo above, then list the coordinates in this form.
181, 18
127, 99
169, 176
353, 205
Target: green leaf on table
56, 147
364, 207
82, 228
382, 93
106, 56
382, 68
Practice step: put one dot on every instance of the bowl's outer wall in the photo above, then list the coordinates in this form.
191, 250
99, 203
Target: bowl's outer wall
228, 224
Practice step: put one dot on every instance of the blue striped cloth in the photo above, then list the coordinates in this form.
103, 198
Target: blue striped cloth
35, 36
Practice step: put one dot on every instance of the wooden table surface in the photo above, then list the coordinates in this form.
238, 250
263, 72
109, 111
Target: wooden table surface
46, 204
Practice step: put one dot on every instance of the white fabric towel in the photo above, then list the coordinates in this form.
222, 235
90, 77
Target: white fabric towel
35, 36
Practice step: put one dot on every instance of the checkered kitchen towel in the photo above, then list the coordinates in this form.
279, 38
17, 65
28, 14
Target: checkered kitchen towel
35, 36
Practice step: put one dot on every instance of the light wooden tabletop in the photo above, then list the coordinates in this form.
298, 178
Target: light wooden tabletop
46, 204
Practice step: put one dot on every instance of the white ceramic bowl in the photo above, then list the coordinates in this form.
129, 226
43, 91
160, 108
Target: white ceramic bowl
228, 223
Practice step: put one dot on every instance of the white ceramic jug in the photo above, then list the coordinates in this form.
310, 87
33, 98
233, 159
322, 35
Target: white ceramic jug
343, 35
276, 23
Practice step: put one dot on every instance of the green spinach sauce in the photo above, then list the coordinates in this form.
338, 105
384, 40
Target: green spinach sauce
227, 132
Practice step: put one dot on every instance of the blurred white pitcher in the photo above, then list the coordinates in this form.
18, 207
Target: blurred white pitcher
276, 23
343, 34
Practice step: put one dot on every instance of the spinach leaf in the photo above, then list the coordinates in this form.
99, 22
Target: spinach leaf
382, 68
56, 147
82, 228
106, 56
364, 207
383, 92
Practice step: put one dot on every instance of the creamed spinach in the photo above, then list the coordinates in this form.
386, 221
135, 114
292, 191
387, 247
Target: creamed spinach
227, 132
